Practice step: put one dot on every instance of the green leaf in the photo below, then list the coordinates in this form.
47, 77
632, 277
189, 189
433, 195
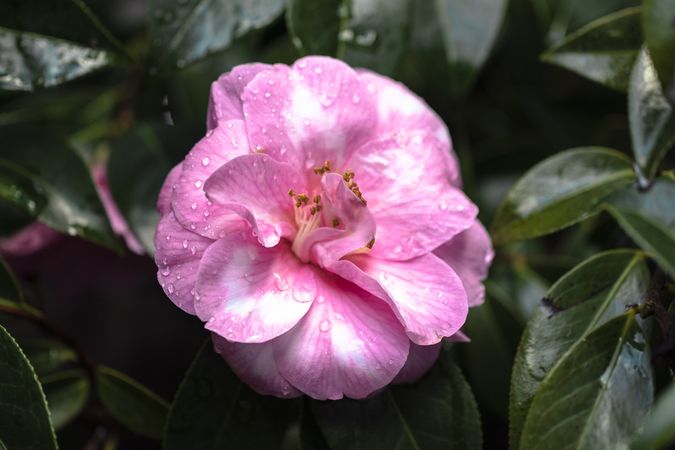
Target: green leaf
658, 21
468, 30
438, 412
597, 395
605, 50
659, 429
652, 119
24, 417
315, 26
9, 285
73, 205
213, 409
560, 191
67, 393
131, 403
136, 171
47, 355
20, 200
594, 292
184, 31
29, 61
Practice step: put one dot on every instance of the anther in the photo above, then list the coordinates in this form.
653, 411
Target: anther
371, 243
336, 223
291, 193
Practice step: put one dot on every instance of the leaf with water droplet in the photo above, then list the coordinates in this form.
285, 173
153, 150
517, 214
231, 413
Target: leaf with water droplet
212, 405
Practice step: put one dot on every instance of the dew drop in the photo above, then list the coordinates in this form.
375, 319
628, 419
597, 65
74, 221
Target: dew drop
206, 214
170, 288
460, 207
321, 299
324, 325
209, 133
248, 277
193, 206
302, 64
356, 98
279, 282
318, 70
268, 94
185, 243
193, 249
443, 206
198, 184
166, 271
302, 296
206, 161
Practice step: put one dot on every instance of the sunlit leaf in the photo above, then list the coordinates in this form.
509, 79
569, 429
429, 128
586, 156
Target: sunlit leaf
658, 20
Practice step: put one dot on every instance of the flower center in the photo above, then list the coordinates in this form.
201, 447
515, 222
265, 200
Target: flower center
316, 218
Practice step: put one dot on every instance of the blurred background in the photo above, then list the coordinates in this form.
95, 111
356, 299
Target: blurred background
129, 90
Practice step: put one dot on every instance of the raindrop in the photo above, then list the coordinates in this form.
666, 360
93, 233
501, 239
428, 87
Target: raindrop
185, 243
460, 207
168, 237
170, 288
302, 64
321, 299
209, 133
193, 206
302, 296
268, 94
443, 206
279, 282
206, 214
166, 271
324, 325
318, 70
270, 82
193, 249
206, 161
248, 277
356, 98
198, 184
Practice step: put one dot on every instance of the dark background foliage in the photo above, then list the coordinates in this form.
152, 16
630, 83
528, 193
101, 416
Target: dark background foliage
127, 82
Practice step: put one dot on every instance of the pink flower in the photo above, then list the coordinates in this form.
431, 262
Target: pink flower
320, 231
117, 222
29, 239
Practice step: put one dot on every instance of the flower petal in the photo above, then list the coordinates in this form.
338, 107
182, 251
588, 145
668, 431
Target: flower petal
407, 182
399, 110
178, 253
420, 359
317, 110
256, 187
255, 365
117, 222
250, 293
29, 239
349, 343
470, 254
426, 295
190, 204
225, 99
166, 192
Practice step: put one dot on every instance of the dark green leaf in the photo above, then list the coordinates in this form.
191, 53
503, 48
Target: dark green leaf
67, 394
184, 31
650, 235
659, 429
20, 199
24, 417
9, 286
29, 61
597, 290
655, 203
131, 403
560, 191
438, 412
652, 119
658, 21
604, 50
136, 171
597, 395
213, 410
73, 205
468, 30
315, 26
47, 355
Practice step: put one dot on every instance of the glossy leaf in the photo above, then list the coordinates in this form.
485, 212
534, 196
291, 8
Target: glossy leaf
131, 403
30, 61
594, 292
659, 429
597, 395
184, 31
67, 394
24, 417
658, 19
136, 171
652, 118
560, 191
213, 409
468, 30
73, 205
47, 355
9, 285
438, 412
20, 199
604, 50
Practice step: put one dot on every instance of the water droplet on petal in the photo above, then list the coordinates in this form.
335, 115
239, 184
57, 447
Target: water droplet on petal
324, 325
198, 184
321, 299
170, 288
268, 94
279, 282
166, 271
443, 206
185, 243
301, 295
206, 161
318, 70
193, 206
356, 98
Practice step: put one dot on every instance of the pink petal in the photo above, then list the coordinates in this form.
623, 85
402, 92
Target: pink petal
225, 99
407, 184
348, 344
357, 227
426, 295
420, 359
401, 111
178, 253
470, 254
193, 210
317, 110
166, 192
117, 222
255, 365
28, 240
256, 187
250, 293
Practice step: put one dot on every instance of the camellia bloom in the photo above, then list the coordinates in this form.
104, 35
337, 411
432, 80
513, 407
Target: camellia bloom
320, 231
